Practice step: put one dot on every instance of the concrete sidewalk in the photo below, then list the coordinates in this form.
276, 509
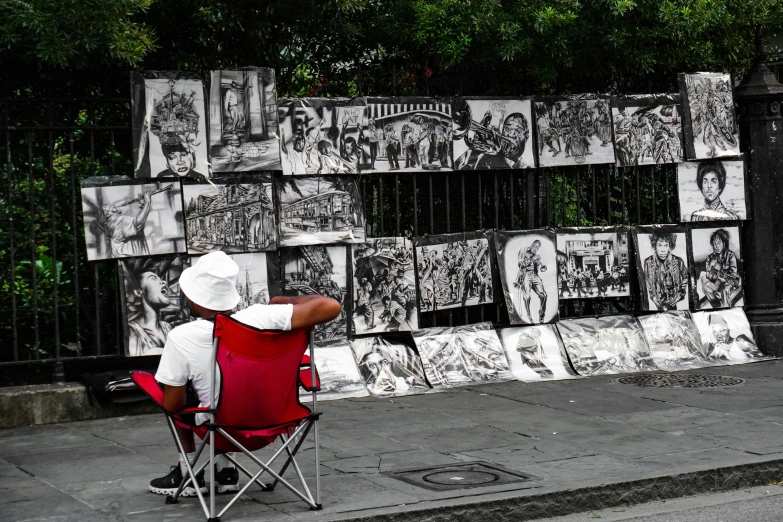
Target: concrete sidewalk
589, 444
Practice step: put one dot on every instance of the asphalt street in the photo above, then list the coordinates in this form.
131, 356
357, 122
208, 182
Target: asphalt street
761, 504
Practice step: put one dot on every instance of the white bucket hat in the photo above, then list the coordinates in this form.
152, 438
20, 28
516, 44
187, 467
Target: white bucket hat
211, 282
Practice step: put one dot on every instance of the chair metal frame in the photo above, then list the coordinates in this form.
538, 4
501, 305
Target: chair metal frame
290, 445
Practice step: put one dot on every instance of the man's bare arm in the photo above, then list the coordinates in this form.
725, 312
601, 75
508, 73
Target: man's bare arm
174, 398
309, 310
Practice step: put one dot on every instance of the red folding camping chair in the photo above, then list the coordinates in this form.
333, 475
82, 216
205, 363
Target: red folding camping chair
261, 371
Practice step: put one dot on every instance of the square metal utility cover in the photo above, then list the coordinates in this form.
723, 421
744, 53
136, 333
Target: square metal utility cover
461, 476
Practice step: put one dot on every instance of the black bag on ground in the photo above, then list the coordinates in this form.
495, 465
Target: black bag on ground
109, 388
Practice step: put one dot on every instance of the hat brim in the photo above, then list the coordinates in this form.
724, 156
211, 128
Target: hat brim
205, 298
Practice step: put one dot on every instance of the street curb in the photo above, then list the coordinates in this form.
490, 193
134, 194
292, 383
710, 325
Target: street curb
560, 503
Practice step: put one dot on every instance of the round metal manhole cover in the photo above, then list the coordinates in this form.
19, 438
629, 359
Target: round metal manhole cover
676, 380
461, 477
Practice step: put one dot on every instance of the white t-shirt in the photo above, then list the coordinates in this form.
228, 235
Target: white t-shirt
188, 350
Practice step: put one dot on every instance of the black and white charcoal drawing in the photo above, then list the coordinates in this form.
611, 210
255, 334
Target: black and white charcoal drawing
492, 134
647, 130
408, 134
726, 336
592, 262
232, 215
130, 218
384, 286
390, 367
243, 128
709, 122
712, 190
259, 278
674, 340
169, 125
340, 377
320, 270
321, 136
573, 132
152, 303
527, 261
535, 353
661, 262
317, 210
716, 267
454, 270
600, 345
462, 355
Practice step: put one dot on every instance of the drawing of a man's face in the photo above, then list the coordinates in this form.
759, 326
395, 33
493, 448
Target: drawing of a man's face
379, 366
515, 127
717, 245
110, 209
154, 290
662, 249
710, 187
535, 246
721, 333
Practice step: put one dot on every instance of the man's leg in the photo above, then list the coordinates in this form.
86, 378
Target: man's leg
538, 288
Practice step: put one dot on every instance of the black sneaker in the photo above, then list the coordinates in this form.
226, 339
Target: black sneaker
168, 485
226, 480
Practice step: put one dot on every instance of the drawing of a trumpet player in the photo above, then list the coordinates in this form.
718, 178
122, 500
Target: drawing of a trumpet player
126, 232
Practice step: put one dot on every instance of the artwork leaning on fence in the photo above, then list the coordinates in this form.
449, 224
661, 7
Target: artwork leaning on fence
647, 130
408, 134
709, 122
320, 136
662, 267
462, 355
340, 377
319, 270
573, 131
492, 134
152, 303
535, 353
593, 262
726, 336
674, 341
318, 210
169, 122
601, 345
230, 214
528, 261
384, 286
454, 270
716, 267
390, 366
243, 128
130, 218
712, 190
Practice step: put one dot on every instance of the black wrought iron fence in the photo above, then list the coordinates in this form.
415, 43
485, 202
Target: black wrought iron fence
55, 305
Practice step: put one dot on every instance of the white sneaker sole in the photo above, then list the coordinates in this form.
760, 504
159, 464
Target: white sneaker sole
226, 489
187, 492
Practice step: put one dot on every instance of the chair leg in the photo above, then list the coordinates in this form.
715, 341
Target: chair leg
244, 470
299, 443
317, 467
292, 460
186, 479
190, 470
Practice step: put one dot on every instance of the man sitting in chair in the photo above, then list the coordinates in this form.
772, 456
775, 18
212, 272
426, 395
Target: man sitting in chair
210, 287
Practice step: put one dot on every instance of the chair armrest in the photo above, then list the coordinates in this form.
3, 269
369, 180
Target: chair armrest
306, 378
147, 383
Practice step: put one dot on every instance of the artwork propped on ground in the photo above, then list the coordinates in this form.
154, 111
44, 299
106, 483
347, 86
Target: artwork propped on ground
709, 121
318, 210
528, 271
230, 214
535, 353
593, 262
259, 278
716, 267
243, 128
408, 134
726, 336
321, 136
462, 355
662, 267
600, 345
152, 303
131, 218
454, 270
493, 134
647, 130
384, 286
573, 132
169, 121
340, 378
390, 367
319, 270
674, 341
712, 190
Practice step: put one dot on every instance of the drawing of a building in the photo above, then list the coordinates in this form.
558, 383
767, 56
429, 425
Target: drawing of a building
596, 254
247, 295
237, 218
327, 212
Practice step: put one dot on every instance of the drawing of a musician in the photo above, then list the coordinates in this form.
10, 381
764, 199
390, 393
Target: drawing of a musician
126, 233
